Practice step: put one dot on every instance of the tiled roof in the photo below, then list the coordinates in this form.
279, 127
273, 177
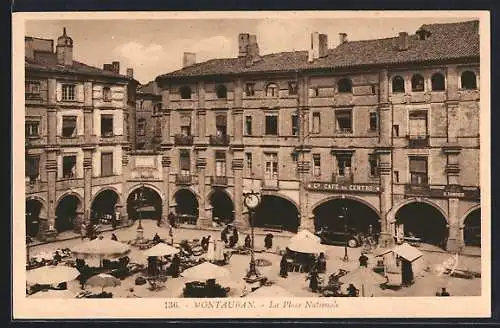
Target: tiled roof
446, 42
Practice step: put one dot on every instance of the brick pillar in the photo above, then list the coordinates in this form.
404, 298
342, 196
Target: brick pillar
385, 170
240, 220
455, 241
125, 177
87, 186
165, 163
51, 167
385, 125
204, 219
202, 126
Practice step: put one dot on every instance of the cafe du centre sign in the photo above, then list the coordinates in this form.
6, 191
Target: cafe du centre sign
335, 187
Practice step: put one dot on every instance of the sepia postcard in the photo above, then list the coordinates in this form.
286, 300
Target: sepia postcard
251, 165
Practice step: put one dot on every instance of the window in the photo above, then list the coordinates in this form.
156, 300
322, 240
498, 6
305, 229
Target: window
316, 123
186, 125
295, 157
158, 127
396, 176
69, 167
156, 108
250, 89
316, 165
343, 165
395, 130
140, 104
185, 92
141, 145
295, 125
271, 167
398, 84
437, 82
68, 92
248, 157
141, 127
344, 85
417, 83
344, 121
221, 125
220, 163
373, 162
106, 94
184, 162
272, 125
221, 91
468, 80
272, 90
69, 126
292, 88
373, 89
32, 89
32, 168
32, 129
248, 125
373, 121
106, 164
106, 125
418, 124
418, 170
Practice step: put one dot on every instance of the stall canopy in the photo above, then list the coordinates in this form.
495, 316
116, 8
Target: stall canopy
272, 291
306, 242
305, 234
405, 251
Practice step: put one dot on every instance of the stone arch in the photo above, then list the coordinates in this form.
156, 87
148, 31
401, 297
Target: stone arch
469, 211
68, 212
100, 208
148, 185
222, 209
391, 215
187, 209
35, 210
278, 194
276, 210
153, 200
355, 198
191, 189
470, 226
42, 201
120, 200
68, 193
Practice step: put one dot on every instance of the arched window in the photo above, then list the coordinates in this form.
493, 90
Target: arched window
272, 90
344, 85
185, 92
221, 91
437, 81
398, 84
468, 80
417, 83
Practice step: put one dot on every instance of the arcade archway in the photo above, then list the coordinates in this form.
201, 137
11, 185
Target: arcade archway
103, 207
335, 214
187, 206
222, 206
424, 222
34, 209
472, 228
278, 212
144, 203
67, 211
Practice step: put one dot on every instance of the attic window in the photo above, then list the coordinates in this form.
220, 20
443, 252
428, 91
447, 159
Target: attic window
344, 85
417, 83
468, 80
272, 90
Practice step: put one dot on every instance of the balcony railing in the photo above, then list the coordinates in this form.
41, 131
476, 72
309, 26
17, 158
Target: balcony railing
184, 179
270, 183
71, 141
345, 179
222, 140
418, 141
183, 140
220, 181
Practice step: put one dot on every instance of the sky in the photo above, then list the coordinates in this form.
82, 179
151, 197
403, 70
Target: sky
155, 47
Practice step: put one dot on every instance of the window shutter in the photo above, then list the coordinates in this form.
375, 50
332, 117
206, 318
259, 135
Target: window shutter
107, 164
59, 92
418, 165
79, 92
185, 162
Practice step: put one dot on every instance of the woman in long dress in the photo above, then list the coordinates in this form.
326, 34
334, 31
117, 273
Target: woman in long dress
219, 251
210, 251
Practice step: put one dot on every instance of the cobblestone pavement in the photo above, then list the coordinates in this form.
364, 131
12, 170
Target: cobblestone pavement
426, 285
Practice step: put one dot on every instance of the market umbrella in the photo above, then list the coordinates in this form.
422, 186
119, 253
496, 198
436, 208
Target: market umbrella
307, 246
161, 249
271, 291
305, 234
205, 271
49, 275
100, 248
51, 293
103, 280
365, 278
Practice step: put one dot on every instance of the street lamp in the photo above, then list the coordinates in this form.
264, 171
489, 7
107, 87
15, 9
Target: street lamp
140, 202
343, 216
251, 201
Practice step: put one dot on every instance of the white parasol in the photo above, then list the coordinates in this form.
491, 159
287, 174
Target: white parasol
51, 293
161, 249
305, 234
205, 271
307, 246
364, 278
103, 280
271, 291
49, 275
100, 248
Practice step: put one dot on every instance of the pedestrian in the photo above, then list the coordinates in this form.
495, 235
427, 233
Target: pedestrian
224, 234
444, 292
352, 291
233, 239
268, 241
174, 268
284, 267
248, 242
113, 221
313, 278
83, 230
156, 239
321, 263
171, 219
113, 237
363, 260
57, 258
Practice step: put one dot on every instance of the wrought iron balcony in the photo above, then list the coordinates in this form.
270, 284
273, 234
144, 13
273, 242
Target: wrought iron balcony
345, 179
222, 140
183, 140
184, 179
418, 141
219, 181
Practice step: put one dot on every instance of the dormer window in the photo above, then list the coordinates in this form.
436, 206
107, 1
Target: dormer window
221, 91
423, 34
272, 90
344, 86
417, 83
185, 92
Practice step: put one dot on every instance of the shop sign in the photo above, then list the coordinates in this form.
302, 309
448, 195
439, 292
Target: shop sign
450, 191
335, 187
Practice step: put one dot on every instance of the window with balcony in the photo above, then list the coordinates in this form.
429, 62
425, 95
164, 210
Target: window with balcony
344, 86
32, 168
272, 125
271, 166
248, 125
106, 164
373, 121
418, 128
437, 82
107, 125
220, 163
418, 170
316, 165
106, 94
184, 162
69, 167
69, 126
272, 90
343, 120
398, 84
373, 163
248, 159
141, 127
32, 89
250, 89
221, 91
417, 83
185, 92
295, 125
316, 127
468, 80
221, 125
343, 165
186, 125
68, 92
32, 129
292, 88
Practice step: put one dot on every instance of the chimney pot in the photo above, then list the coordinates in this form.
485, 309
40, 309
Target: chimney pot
116, 67
188, 59
243, 41
342, 38
130, 73
323, 45
403, 41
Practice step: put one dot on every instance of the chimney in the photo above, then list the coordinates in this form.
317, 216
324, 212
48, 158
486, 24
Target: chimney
64, 49
107, 67
315, 45
323, 45
116, 67
403, 41
342, 38
243, 39
252, 55
188, 59
130, 73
